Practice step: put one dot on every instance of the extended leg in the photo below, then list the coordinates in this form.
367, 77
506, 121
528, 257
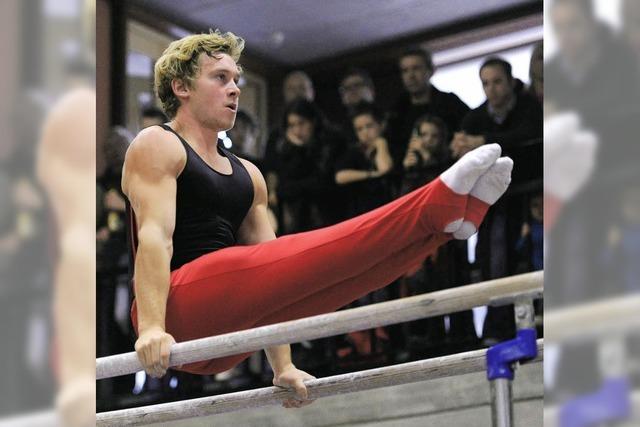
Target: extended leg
332, 298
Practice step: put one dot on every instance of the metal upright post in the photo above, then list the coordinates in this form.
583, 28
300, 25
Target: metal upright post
500, 360
501, 403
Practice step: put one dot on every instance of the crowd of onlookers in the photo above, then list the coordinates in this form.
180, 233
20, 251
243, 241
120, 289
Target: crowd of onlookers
319, 173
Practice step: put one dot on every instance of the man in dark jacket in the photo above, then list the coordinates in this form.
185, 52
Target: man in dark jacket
416, 67
509, 116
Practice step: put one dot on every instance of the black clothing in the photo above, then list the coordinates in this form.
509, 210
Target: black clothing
426, 170
522, 123
403, 115
519, 135
210, 206
308, 197
368, 194
273, 147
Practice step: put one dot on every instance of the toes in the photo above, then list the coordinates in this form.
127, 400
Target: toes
493, 183
462, 176
504, 165
482, 157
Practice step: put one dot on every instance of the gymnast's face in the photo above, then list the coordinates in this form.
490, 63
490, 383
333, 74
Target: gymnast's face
213, 97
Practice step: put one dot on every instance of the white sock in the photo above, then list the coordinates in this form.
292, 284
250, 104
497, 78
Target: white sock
462, 176
489, 188
492, 185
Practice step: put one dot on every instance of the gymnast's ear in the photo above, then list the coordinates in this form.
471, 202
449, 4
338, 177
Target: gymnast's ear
180, 88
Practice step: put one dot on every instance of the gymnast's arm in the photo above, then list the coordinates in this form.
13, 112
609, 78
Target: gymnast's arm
255, 228
152, 165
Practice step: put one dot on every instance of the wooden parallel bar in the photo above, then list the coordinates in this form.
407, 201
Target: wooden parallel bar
439, 367
325, 325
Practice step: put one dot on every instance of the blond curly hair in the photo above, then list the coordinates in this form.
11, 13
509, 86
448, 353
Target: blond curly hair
180, 61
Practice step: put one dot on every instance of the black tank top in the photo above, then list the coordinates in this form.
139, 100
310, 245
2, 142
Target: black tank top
210, 206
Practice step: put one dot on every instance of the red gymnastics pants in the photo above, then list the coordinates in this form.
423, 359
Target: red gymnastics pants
305, 274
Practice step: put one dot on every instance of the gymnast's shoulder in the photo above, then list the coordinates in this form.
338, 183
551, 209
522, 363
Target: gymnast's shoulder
255, 174
155, 149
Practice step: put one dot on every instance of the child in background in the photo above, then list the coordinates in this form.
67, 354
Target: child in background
427, 154
530, 244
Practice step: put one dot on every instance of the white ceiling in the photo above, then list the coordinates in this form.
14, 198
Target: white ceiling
292, 32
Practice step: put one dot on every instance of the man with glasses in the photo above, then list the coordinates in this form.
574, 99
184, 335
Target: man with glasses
356, 87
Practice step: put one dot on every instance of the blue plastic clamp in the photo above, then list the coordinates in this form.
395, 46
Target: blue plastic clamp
501, 356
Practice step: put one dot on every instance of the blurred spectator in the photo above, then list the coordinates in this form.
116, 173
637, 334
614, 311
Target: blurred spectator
536, 73
152, 116
363, 167
416, 68
508, 117
530, 244
244, 136
356, 87
427, 154
304, 162
297, 85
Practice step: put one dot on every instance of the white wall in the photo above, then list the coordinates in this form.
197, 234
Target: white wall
462, 77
